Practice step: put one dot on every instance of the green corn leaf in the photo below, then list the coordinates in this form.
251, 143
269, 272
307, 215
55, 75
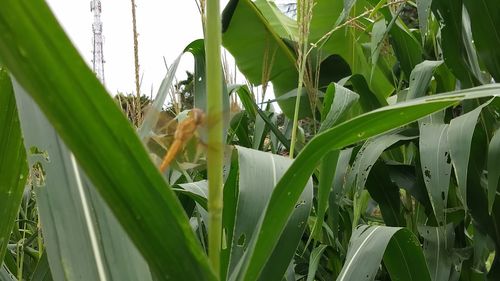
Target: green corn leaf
420, 78
47, 66
493, 169
291, 185
256, 45
438, 242
85, 241
258, 175
424, 10
460, 134
386, 193
449, 15
366, 158
436, 166
314, 260
485, 23
13, 168
397, 246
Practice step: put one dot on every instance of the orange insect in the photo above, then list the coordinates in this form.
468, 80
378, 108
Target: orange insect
184, 132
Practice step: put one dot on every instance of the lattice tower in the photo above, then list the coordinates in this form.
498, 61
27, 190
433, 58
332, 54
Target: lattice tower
97, 40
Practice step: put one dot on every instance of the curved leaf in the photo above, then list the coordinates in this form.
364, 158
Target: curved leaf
366, 158
291, 185
152, 115
398, 246
346, 42
259, 173
13, 168
84, 240
281, 24
493, 168
44, 62
420, 78
485, 22
460, 134
314, 261
386, 193
338, 101
438, 242
260, 54
423, 10
343, 99
406, 47
5, 275
449, 15
436, 166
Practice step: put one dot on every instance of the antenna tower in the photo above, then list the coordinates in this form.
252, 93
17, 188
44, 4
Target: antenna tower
97, 40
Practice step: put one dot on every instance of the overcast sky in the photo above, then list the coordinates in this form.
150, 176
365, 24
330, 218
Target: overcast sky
165, 27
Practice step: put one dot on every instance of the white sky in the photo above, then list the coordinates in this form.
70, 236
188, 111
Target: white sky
165, 28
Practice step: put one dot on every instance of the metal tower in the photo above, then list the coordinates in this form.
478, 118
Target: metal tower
97, 52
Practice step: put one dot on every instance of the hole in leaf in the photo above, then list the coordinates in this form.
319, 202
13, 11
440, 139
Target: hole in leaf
241, 240
300, 203
427, 173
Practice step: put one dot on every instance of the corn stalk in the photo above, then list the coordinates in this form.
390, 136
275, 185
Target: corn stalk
215, 137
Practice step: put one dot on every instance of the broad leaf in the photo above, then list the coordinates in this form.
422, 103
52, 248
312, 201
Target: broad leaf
85, 241
366, 158
337, 192
314, 260
343, 100
283, 25
420, 78
424, 10
406, 177
259, 52
338, 101
13, 168
291, 185
379, 31
386, 193
42, 270
36, 50
406, 47
438, 243
493, 169
5, 274
346, 43
460, 134
436, 166
398, 246
259, 173
449, 14
327, 170
485, 22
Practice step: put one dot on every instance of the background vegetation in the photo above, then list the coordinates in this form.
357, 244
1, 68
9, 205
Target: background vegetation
390, 109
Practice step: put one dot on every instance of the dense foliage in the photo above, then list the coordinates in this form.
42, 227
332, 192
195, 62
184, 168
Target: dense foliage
397, 150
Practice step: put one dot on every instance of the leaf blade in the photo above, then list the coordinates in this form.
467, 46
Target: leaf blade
13, 168
290, 186
79, 107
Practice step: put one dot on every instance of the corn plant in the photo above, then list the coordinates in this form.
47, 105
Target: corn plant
397, 181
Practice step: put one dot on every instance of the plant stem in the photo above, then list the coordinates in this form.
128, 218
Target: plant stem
297, 107
137, 106
304, 8
215, 134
